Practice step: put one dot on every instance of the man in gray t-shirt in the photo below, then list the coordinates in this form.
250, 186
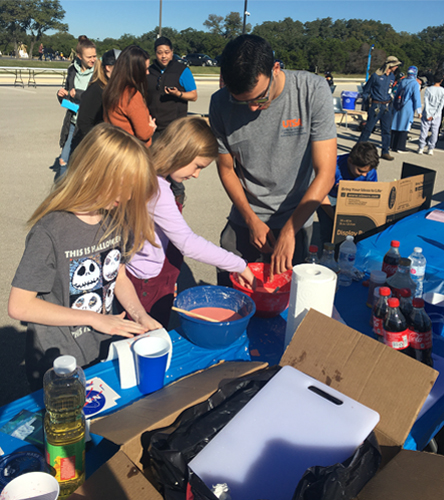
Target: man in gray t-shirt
277, 152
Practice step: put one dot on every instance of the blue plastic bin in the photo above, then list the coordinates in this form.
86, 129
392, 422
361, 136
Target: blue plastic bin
349, 99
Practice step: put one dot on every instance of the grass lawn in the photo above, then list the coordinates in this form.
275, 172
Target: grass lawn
32, 63
196, 70
35, 63
205, 70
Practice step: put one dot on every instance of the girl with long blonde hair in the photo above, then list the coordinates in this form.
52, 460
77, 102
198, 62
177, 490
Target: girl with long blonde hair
72, 267
185, 147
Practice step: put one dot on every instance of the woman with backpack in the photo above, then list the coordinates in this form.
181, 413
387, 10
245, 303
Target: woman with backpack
406, 102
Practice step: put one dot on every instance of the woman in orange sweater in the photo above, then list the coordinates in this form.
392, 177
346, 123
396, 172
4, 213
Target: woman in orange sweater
124, 98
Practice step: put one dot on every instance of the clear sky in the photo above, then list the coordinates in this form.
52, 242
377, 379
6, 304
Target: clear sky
112, 18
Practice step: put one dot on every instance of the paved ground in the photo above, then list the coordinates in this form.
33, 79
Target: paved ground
30, 121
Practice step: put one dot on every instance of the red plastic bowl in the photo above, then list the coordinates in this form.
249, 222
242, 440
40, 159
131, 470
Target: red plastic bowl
268, 304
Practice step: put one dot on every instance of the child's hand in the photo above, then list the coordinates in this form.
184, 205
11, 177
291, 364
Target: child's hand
117, 325
247, 279
149, 323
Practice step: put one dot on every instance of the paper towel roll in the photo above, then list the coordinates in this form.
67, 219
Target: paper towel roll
312, 287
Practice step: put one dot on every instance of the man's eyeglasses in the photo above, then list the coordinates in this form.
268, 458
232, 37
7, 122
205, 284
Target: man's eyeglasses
258, 101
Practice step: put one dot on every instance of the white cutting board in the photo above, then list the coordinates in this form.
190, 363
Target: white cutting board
264, 450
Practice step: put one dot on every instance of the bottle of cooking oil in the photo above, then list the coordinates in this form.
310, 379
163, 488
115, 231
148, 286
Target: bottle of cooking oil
64, 396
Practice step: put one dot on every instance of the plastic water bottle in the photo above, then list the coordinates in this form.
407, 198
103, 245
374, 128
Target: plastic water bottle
328, 257
64, 396
312, 255
346, 261
417, 269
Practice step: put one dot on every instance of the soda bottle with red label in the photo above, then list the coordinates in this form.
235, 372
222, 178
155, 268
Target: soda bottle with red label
379, 312
420, 336
391, 259
401, 279
405, 302
396, 331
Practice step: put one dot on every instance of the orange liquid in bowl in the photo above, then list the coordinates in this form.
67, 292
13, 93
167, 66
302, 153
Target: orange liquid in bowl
217, 313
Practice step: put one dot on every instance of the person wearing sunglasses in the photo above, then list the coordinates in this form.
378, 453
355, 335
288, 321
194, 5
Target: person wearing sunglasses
277, 153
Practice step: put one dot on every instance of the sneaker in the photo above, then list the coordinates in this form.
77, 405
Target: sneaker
386, 156
421, 151
402, 151
430, 152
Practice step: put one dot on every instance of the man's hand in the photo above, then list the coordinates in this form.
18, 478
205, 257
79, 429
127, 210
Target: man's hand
282, 258
172, 91
262, 237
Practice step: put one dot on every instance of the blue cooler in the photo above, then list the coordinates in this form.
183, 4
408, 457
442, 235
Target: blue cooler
349, 99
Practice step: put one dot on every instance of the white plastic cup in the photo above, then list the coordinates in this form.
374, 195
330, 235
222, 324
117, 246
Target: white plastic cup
32, 486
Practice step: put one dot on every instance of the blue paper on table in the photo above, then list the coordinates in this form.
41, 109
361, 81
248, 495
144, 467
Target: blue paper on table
27, 426
70, 105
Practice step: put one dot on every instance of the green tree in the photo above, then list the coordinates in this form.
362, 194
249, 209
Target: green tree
61, 41
432, 38
214, 24
233, 25
13, 22
34, 17
44, 15
321, 28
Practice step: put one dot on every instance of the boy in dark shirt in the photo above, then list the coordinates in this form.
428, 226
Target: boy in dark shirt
359, 165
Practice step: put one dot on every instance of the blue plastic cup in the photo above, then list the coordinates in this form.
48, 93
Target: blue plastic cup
151, 355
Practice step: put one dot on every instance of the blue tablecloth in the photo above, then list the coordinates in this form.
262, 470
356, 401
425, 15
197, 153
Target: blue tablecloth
264, 339
187, 358
413, 231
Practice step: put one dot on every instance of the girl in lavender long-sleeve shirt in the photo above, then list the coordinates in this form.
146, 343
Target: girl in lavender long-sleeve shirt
184, 149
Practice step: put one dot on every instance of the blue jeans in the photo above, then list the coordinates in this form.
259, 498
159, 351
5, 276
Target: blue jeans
65, 152
383, 114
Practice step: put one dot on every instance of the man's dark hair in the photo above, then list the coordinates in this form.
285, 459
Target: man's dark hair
163, 40
438, 77
363, 154
243, 60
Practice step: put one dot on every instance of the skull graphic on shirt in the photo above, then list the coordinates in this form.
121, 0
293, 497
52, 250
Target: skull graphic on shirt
93, 279
86, 276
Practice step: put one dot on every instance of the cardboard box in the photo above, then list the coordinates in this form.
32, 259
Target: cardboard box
410, 475
364, 208
389, 382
